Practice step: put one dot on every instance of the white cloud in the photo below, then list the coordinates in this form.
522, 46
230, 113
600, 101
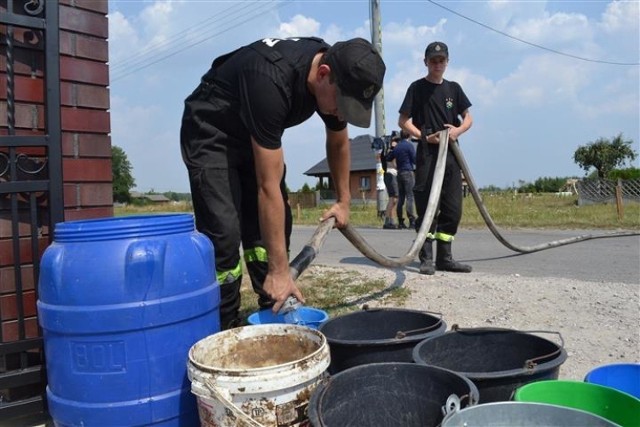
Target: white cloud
157, 20
121, 33
621, 16
557, 29
299, 26
407, 35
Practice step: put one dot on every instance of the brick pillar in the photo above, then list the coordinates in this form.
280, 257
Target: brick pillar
84, 95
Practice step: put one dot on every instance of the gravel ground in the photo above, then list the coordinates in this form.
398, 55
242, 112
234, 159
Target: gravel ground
599, 322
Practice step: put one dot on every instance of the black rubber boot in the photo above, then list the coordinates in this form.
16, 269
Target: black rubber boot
230, 305
426, 258
445, 261
401, 225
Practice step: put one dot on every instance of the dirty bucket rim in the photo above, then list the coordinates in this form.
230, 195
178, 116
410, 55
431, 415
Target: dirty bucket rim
549, 365
383, 342
282, 326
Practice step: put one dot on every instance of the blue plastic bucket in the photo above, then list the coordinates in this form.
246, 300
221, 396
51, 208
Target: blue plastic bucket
624, 377
121, 302
309, 316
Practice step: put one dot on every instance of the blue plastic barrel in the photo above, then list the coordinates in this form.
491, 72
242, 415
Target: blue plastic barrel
121, 302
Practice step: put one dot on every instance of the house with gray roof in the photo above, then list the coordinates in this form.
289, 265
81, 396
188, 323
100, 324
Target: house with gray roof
363, 169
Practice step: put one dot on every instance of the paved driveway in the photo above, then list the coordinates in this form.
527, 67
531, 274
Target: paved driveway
598, 260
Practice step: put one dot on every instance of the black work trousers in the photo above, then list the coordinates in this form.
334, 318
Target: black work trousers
225, 205
449, 212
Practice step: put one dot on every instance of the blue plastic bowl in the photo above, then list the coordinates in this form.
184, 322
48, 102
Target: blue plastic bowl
623, 377
311, 317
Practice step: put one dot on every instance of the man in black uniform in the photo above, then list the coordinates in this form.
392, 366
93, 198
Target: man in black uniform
231, 144
432, 104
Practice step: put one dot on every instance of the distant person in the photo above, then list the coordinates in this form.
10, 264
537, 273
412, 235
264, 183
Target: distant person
430, 105
404, 154
230, 139
391, 184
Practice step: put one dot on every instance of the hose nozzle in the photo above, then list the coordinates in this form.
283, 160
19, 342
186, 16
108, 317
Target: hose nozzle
290, 304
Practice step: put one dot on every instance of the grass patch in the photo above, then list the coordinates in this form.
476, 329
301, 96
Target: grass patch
506, 209
334, 290
511, 211
548, 211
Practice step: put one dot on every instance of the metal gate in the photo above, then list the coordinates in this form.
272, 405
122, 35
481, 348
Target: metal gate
31, 198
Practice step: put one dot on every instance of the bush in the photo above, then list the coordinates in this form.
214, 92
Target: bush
628, 173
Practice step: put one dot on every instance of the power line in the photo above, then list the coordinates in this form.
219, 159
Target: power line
184, 45
156, 49
530, 43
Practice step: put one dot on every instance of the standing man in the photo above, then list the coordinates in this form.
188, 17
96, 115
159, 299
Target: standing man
432, 104
404, 155
230, 139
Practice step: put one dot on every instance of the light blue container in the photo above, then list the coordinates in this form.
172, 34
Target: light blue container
121, 302
624, 377
309, 316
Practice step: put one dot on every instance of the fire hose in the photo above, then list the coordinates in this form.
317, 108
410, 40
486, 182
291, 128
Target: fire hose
312, 248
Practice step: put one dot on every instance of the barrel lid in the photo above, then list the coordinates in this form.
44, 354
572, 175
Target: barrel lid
123, 227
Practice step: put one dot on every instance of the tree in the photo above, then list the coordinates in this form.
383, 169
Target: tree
604, 155
123, 181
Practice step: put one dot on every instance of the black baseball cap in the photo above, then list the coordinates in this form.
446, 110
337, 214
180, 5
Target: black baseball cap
436, 49
358, 70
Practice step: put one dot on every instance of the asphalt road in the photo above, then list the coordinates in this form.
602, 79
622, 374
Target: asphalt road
608, 260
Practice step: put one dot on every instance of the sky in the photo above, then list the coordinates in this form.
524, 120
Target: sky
543, 77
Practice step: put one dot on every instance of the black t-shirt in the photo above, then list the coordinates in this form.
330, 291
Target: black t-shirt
430, 106
258, 90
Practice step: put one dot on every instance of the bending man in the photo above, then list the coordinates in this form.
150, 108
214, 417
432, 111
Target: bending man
230, 139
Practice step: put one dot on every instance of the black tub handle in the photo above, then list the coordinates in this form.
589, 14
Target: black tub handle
532, 363
529, 364
403, 334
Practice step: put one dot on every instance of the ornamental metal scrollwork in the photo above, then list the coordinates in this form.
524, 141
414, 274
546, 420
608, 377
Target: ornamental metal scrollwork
29, 165
25, 166
34, 7
4, 164
27, 169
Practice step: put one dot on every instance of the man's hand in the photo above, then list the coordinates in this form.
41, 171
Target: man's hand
340, 211
279, 286
454, 132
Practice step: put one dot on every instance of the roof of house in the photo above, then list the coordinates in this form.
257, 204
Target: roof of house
157, 198
362, 157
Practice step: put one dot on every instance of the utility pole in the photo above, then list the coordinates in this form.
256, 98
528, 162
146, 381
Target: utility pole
376, 40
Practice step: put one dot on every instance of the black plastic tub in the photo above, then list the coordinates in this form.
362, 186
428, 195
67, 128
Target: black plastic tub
388, 394
498, 361
378, 336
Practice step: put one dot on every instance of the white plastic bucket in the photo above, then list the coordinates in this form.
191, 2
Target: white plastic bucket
260, 375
